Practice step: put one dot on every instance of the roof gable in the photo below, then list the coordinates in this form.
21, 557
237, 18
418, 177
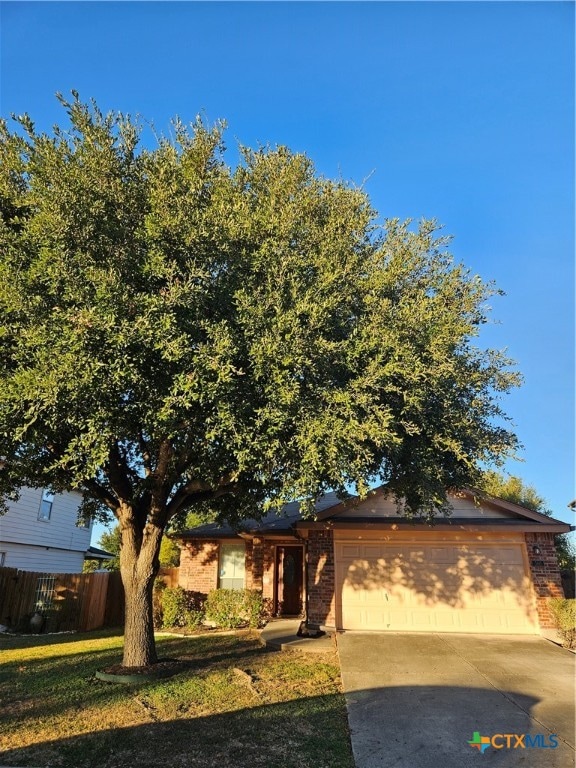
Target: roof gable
469, 507
466, 504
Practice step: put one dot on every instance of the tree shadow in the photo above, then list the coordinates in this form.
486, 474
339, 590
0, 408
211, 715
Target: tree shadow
303, 732
8, 640
401, 577
406, 726
206, 552
415, 726
26, 683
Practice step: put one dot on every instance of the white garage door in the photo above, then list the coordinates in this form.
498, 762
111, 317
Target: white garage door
443, 587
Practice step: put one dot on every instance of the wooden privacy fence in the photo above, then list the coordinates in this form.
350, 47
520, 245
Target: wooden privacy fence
66, 601
169, 575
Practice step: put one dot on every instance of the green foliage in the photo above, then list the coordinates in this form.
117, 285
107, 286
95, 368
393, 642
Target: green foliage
181, 335
163, 310
181, 608
173, 607
169, 553
111, 541
564, 612
513, 489
194, 618
233, 608
565, 551
196, 518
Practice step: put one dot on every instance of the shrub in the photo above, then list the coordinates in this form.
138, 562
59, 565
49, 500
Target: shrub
233, 608
173, 607
564, 612
267, 612
182, 608
194, 618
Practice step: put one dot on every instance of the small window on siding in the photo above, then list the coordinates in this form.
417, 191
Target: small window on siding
2, 558
45, 511
232, 566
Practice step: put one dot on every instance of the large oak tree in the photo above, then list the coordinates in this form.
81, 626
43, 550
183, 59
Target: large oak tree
177, 333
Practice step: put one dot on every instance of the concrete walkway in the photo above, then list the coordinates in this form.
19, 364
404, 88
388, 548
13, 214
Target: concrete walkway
281, 635
416, 700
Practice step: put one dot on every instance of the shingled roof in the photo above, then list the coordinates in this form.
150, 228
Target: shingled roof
273, 522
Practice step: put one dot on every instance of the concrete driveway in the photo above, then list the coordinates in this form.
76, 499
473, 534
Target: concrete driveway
416, 700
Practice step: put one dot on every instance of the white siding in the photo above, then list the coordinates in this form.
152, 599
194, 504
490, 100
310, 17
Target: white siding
381, 506
32, 544
42, 559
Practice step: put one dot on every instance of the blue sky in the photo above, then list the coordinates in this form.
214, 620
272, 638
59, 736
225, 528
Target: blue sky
458, 111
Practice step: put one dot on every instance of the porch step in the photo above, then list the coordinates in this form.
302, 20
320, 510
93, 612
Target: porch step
281, 635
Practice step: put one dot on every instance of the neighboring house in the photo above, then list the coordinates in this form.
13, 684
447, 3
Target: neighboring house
40, 532
490, 567
100, 556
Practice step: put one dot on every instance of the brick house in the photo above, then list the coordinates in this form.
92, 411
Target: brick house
489, 567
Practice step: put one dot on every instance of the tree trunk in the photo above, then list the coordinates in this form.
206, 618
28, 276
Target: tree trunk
139, 644
139, 566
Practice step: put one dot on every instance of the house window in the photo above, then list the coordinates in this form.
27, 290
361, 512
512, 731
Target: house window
2, 558
46, 506
232, 566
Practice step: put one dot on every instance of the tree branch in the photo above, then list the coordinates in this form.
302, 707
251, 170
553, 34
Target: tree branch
102, 494
165, 454
145, 451
196, 491
118, 472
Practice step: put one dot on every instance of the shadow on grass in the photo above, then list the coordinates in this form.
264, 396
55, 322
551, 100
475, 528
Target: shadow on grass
304, 732
408, 726
54, 685
189, 645
9, 641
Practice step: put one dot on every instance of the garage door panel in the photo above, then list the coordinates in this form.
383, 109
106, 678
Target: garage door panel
444, 555
350, 551
509, 555
441, 587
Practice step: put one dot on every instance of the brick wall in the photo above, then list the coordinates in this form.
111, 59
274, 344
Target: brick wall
249, 565
268, 568
545, 574
321, 597
256, 563
268, 564
199, 566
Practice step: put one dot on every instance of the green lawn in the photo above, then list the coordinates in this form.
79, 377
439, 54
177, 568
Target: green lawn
287, 711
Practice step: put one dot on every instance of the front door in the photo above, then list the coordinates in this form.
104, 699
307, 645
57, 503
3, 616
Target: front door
289, 563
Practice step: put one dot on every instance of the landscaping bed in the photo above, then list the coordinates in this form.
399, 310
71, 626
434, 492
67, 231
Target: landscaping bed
231, 703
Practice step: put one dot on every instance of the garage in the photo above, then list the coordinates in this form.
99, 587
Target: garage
488, 567
449, 584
